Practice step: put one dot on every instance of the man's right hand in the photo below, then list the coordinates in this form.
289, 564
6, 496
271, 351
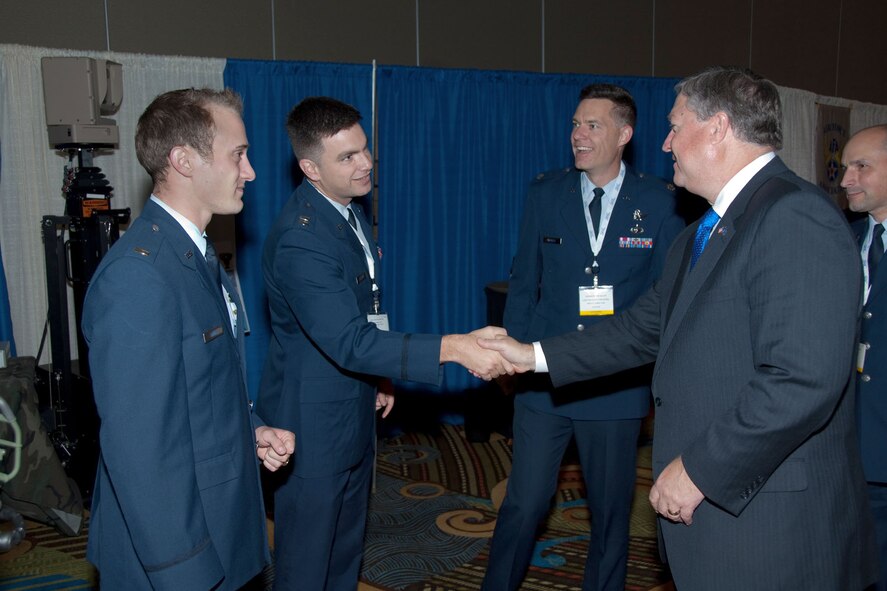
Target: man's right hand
521, 355
464, 350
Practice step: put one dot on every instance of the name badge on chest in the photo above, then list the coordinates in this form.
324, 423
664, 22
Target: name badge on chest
596, 300
380, 320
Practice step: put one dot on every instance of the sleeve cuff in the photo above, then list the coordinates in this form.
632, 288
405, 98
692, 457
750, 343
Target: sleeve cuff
541, 363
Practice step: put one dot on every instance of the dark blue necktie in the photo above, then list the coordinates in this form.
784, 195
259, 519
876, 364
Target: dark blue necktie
709, 220
351, 219
876, 249
594, 208
212, 262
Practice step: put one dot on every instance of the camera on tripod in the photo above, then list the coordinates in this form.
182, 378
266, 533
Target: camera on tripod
79, 93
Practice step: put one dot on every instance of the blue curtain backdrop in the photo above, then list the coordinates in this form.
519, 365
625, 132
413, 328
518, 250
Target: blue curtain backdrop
456, 151
5, 316
269, 91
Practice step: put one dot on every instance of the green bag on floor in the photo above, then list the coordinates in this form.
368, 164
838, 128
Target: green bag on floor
41, 490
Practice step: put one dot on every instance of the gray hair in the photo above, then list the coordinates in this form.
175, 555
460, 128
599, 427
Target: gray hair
750, 101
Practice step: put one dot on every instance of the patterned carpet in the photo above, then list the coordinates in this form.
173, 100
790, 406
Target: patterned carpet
431, 516
434, 511
47, 560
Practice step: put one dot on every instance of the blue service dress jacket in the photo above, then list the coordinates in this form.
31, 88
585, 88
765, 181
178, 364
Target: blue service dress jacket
554, 258
177, 501
324, 356
753, 388
871, 382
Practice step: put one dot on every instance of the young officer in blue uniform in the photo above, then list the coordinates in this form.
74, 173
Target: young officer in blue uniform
177, 501
330, 346
593, 238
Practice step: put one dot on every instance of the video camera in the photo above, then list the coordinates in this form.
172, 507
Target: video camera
79, 93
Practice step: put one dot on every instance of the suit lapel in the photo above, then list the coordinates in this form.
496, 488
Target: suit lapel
573, 214
690, 282
681, 274
341, 228
187, 252
367, 232
240, 319
878, 283
216, 290
185, 249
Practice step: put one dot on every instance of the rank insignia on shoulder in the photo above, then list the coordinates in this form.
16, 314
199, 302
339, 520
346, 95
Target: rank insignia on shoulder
304, 220
552, 240
141, 251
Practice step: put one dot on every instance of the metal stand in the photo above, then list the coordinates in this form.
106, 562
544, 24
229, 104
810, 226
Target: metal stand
92, 227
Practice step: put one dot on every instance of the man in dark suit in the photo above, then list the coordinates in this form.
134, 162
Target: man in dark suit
177, 501
593, 238
865, 179
329, 345
752, 326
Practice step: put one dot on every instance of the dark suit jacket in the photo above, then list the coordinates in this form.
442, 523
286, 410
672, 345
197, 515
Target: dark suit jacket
324, 357
753, 389
177, 502
554, 259
872, 382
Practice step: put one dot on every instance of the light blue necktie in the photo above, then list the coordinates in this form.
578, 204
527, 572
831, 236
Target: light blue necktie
709, 220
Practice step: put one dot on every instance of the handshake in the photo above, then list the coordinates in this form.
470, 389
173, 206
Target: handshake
488, 353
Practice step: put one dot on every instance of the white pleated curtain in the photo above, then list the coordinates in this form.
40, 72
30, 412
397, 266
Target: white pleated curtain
799, 126
31, 172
